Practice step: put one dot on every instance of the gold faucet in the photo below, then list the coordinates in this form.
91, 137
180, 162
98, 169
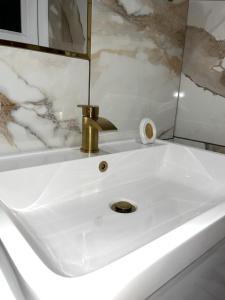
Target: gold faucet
91, 125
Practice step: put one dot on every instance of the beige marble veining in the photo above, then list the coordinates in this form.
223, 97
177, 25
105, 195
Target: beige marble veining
164, 25
201, 107
137, 48
38, 97
43, 110
204, 60
65, 27
6, 109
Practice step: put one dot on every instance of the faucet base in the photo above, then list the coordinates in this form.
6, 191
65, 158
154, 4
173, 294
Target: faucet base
89, 151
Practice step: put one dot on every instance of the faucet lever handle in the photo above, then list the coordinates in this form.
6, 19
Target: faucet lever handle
90, 111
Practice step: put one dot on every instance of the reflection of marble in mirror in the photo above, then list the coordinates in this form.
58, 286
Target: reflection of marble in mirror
66, 29
60, 25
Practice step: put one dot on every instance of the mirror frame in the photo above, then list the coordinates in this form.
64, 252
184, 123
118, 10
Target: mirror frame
86, 56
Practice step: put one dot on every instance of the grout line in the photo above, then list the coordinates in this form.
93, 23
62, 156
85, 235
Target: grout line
89, 84
90, 11
198, 141
178, 97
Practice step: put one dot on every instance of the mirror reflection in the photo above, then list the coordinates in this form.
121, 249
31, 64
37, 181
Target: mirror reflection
54, 24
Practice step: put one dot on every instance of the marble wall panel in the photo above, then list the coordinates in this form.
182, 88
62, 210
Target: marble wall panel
201, 109
38, 97
137, 48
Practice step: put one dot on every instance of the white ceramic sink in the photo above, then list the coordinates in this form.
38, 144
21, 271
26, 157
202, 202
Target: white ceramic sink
63, 209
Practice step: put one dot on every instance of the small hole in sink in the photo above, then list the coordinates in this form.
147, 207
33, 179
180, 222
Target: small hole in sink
103, 166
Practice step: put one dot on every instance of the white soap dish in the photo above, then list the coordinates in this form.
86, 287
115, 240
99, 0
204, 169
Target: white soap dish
148, 131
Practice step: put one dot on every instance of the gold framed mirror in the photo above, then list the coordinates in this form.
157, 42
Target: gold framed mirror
54, 26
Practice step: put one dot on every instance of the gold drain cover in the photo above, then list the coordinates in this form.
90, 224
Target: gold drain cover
123, 207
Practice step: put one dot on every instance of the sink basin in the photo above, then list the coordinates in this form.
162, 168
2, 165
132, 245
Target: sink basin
64, 209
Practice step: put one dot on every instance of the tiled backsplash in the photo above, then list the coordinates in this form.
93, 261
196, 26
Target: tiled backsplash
201, 109
38, 95
135, 72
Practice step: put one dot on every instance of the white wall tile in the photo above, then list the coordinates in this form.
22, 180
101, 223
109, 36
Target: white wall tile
136, 59
38, 95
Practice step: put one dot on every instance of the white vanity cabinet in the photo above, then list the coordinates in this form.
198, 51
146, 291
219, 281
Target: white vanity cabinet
202, 280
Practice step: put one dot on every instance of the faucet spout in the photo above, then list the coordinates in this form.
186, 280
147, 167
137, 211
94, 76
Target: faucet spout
91, 125
101, 124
